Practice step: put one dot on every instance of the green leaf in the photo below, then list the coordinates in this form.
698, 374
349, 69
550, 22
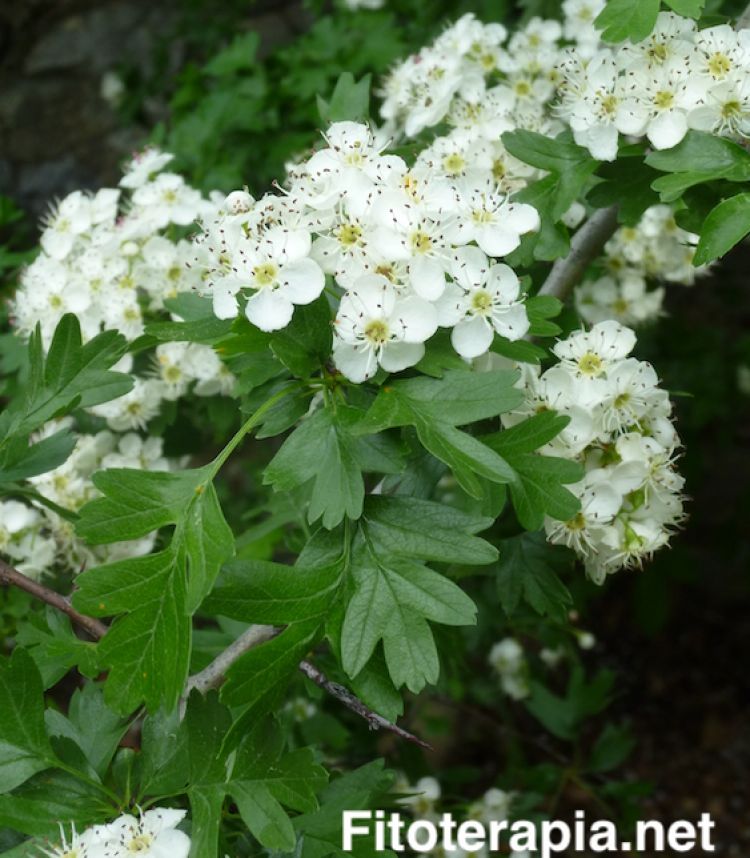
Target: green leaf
724, 227
51, 799
256, 591
393, 599
528, 569
323, 450
435, 406
259, 678
304, 346
55, 648
350, 100
537, 487
72, 376
363, 789
93, 726
697, 159
164, 759
147, 649
628, 185
19, 461
687, 8
612, 748
551, 241
425, 530
207, 331
627, 19
374, 687
540, 309
570, 164
238, 56
264, 816
263, 779
160, 592
708, 153
24, 746
563, 716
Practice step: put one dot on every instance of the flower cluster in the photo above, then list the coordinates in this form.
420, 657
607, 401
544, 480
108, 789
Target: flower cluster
407, 250
474, 80
620, 430
113, 258
679, 77
154, 834
656, 249
106, 257
507, 659
37, 537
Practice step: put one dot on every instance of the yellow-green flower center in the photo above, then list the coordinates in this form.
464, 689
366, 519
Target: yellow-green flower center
376, 332
590, 364
349, 234
719, 65
664, 99
481, 302
421, 242
265, 274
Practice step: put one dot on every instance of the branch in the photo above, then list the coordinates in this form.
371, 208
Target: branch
743, 22
210, 676
585, 246
343, 695
10, 576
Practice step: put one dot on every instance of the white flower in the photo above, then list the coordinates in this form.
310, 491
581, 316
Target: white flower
657, 103
426, 795
591, 353
65, 223
135, 409
277, 273
486, 216
167, 199
143, 167
415, 235
375, 326
153, 835
85, 845
508, 659
483, 299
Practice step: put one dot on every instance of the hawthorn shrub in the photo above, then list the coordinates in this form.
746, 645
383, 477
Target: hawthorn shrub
295, 481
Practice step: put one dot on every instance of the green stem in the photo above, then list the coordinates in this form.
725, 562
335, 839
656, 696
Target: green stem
249, 424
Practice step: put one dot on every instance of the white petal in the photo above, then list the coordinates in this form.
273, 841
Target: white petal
398, 356
372, 295
600, 140
451, 306
427, 278
521, 218
269, 310
416, 319
225, 304
356, 363
170, 844
496, 241
303, 281
512, 323
503, 283
470, 267
667, 129
472, 337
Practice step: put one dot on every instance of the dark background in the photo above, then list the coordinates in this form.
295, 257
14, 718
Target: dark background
678, 632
